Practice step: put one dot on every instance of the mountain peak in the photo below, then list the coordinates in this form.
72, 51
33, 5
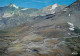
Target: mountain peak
13, 5
54, 6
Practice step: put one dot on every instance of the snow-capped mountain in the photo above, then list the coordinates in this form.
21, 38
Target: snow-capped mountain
12, 15
13, 5
53, 8
49, 10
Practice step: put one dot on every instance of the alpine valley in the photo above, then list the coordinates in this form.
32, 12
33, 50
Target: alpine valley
51, 31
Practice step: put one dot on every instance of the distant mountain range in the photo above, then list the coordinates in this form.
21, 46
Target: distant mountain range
12, 15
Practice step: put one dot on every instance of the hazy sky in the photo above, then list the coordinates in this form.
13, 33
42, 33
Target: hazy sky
35, 3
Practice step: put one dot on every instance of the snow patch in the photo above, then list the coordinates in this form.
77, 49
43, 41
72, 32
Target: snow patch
71, 26
65, 10
74, 53
13, 5
69, 33
54, 6
72, 29
69, 15
24, 9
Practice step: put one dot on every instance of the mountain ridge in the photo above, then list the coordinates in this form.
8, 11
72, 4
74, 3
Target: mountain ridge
12, 13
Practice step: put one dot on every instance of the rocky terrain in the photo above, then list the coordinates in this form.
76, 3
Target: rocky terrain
53, 34
25, 40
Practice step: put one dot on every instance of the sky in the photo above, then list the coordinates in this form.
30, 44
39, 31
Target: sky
35, 3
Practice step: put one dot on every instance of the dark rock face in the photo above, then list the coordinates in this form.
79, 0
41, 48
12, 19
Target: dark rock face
75, 5
74, 10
